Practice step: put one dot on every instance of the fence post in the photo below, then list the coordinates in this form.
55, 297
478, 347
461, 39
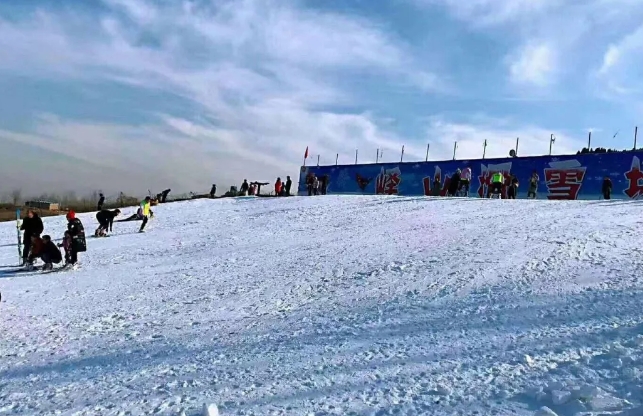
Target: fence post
589, 141
402, 156
484, 148
455, 146
636, 131
517, 141
427, 152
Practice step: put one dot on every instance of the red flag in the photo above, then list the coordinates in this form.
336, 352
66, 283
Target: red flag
306, 154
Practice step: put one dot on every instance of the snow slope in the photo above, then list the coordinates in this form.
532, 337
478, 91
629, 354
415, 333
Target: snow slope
335, 306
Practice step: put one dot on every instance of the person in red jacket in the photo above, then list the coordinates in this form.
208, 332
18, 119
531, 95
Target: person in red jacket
278, 186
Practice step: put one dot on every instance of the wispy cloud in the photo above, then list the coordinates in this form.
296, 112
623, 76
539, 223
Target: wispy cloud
261, 74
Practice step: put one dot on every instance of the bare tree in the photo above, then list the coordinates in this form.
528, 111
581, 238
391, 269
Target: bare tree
16, 197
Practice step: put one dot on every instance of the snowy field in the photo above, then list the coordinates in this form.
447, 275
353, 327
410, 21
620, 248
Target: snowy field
334, 306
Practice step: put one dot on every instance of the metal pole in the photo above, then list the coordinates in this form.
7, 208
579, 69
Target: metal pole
427, 152
356, 156
484, 148
377, 157
402, 156
589, 141
517, 140
455, 146
317, 160
551, 142
636, 132
336, 158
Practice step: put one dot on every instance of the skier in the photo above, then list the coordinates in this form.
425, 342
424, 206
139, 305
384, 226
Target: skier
533, 185
145, 211
105, 220
496, 184
465, 181
607, 188
454, 183
101, 201
213, 190
76, 237
32, 226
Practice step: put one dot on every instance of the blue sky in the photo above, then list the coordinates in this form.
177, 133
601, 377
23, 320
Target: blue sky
138, 94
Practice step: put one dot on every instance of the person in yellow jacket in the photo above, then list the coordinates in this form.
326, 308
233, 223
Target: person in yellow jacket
145, 211
497, 180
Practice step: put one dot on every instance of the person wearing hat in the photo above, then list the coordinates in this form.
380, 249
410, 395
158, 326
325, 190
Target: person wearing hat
32, 226
76, 238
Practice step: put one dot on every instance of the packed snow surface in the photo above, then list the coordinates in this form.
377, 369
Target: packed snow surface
334, 306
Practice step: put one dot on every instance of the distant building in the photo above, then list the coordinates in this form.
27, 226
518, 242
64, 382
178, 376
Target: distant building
44, 205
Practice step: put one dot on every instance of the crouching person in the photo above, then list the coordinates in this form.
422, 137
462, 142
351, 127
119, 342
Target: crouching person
35, 250
50, 253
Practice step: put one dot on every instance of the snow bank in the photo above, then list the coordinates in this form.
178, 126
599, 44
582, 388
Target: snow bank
334, 306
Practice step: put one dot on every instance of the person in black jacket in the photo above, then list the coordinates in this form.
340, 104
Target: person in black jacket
50, 253
32, 226
105, 220
454, 183
76, 237
607, 188
101, 201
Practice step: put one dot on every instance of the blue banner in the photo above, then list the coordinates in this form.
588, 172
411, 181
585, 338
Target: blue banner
559, 177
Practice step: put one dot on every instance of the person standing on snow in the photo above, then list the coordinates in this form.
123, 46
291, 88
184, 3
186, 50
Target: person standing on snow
497, 181
606, 189
245, 186
512, 190
145, 211
454, 183
76, 237
32, 226
101, 201
533, 185
288, 185
105, 220
465, 181
278, 186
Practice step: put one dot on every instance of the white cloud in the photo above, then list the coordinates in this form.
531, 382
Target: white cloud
620, 69
258, 71
494, 12
534, 64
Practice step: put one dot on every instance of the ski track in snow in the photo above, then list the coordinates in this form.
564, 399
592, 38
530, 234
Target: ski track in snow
338, 305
